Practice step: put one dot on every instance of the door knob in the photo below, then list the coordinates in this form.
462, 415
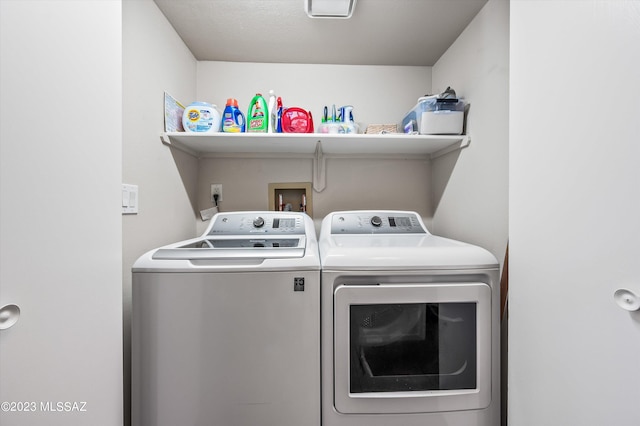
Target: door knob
627, 299
9, 315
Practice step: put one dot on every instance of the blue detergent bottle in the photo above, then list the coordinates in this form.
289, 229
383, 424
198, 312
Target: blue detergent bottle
232, 118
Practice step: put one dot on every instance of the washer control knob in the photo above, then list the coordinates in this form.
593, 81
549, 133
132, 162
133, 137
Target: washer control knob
258, 222
376, 221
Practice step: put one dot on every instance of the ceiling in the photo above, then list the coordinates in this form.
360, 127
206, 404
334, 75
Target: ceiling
380, 32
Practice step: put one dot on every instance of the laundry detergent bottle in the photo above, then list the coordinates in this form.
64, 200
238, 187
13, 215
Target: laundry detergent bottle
201, 117
232, 118
257, 116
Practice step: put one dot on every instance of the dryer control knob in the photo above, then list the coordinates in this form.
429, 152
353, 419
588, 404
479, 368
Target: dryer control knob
376, 221
258, 222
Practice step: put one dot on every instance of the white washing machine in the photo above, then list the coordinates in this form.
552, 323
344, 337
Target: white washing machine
225, 327
410, 324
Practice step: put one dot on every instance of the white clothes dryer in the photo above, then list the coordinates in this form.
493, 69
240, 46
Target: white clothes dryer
410, 324
225, 327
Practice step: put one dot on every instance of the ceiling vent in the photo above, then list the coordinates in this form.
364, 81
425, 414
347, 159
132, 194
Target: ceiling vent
341, 9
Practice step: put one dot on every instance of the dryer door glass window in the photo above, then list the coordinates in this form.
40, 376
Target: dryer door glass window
412, 347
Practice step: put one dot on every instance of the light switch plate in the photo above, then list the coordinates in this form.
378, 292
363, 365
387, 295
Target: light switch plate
129, 199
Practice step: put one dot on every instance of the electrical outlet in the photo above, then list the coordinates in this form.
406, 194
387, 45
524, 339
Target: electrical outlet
216, 188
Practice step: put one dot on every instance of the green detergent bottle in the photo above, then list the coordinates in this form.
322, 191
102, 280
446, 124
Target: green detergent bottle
257, 116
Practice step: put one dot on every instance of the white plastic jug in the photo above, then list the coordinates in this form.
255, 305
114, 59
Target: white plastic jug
201, 117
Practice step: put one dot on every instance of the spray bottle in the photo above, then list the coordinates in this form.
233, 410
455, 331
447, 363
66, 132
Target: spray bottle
273, 113
279, 115
346, 114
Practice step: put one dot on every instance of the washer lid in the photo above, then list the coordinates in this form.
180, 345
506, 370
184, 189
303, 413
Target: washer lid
234, 248
240, 242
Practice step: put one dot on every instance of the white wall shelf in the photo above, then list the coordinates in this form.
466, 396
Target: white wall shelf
304, 144
314, 145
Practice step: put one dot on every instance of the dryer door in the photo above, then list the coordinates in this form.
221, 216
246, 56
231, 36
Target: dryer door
412, 348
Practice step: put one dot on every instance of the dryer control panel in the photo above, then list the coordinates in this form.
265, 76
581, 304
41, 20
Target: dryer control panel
376, 222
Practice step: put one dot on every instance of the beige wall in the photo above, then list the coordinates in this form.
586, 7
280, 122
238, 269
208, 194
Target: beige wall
351, 183
470, 187
154, 60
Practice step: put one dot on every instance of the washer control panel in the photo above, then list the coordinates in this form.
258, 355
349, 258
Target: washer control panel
257, 223
376, 223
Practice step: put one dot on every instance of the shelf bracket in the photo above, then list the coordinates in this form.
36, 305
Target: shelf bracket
464, 142
166, 139
319, 169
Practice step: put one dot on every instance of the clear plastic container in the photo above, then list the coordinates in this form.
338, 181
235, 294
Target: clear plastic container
433, 116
